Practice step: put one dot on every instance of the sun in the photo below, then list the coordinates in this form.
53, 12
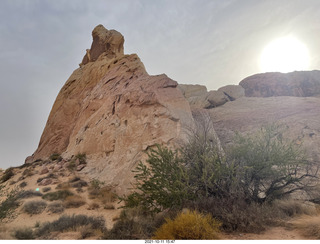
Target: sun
284, 55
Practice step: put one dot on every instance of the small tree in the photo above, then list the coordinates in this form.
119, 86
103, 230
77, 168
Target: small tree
162, 183
268, 167
204, 158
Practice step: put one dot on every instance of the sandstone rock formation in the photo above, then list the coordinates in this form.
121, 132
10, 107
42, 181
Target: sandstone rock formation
301, 115
199, 97
113, 111
109, 43
299, 84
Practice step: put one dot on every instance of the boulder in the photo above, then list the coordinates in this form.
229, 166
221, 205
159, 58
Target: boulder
216, 98
189, 91
45, 182
233, 92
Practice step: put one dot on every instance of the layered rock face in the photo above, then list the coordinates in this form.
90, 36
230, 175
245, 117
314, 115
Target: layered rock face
298, 84
113, 111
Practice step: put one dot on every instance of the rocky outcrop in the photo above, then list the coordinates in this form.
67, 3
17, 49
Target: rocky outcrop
301, 116
113, 111
106, 42
298, 84
199, 97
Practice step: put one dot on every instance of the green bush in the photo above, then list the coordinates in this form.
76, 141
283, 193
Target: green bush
162, 184
189, 225
34, 207
57, 195
268, 167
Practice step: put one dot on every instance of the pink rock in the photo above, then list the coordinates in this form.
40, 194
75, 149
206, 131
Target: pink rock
80, 167
44, 170
45, 182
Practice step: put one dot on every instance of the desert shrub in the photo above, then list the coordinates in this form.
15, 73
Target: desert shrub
104, 194
46, 189
23, 184
72, 165
79, 184
189, 225
238, 215
27, 172
55, 156
65, 223
57, 195
63, 186
268, 167
10, 203
34, 207
8, 174
24, 234
96, 184
55, 207
82, 158
73, 201
86, 231
93, 206
293, 207
28, 194
162, 184
134, 224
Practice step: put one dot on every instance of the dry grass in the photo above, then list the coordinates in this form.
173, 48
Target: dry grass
292, 207
189, 225
74, 201
308, 226
34, 207
104, 194
71, 223
57, 195
56, 207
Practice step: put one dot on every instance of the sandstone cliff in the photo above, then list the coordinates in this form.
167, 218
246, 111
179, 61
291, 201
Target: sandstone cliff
113, 111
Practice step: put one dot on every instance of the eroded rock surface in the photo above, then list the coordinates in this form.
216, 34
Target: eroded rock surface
113, 111
298, 84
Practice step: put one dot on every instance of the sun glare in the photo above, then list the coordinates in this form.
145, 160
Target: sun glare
285, 54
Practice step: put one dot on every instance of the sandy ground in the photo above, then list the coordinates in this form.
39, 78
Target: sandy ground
22, 220
275, 233
292, 230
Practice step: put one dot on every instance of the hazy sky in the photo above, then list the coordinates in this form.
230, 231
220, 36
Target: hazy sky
209, 42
